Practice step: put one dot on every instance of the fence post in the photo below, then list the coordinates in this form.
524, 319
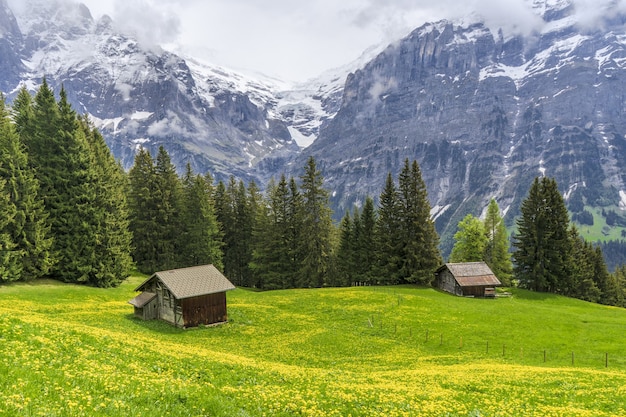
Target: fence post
487, 347
572, 358
606, 360
461, 343
544, 356
441, 340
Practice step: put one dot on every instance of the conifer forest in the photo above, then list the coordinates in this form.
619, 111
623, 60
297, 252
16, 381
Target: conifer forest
71, 213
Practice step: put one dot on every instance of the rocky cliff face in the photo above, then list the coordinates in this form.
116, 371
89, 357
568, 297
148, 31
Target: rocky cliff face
483, 115
483, 112
139, 95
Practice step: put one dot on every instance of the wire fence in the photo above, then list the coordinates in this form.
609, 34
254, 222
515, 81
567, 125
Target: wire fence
436, 342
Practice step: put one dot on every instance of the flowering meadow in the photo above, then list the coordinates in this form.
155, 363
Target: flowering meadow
69, 350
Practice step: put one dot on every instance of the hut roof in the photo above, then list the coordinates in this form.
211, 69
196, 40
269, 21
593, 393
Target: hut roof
192, 282
471, 274
142, 299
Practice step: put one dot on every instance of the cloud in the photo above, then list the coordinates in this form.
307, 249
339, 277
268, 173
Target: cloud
153, 23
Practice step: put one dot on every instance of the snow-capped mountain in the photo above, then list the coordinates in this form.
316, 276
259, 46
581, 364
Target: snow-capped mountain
484, 112
212, 117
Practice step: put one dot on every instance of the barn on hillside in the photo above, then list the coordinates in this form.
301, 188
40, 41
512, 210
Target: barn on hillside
467, 279
186, 297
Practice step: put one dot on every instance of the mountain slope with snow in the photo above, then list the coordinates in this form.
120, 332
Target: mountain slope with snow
484, 113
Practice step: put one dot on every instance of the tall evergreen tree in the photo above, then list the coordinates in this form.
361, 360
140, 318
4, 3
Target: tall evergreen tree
229, 210
200, 241
345, 253
60, 156
420, 240
497, 254
28, 230
270, 260
387, 235
470, 241
112, 258
584, 286
167, 221
296, 238
542, 242
10, 267
316, 227
366, 244
143, 205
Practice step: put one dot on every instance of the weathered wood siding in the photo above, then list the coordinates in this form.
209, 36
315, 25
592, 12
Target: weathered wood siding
478, 291
149, 311
447, 282
204, 309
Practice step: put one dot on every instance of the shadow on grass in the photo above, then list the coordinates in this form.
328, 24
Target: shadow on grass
154, 325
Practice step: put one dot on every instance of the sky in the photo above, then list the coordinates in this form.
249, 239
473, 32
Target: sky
298, 40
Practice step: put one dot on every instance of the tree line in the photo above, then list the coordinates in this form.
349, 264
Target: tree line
71, 213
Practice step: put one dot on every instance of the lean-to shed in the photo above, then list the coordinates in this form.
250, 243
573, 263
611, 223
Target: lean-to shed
467, 279
186, 297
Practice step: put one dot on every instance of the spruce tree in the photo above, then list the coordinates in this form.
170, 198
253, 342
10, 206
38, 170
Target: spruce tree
29, 229
296, 238
542, 242
366, 244
142, 202
270, 257
387, 235
10, 267
421, 256
59, 155
316, 227
584, 286
345, 252
167, 220
497, 254
112, 258
200, 241
470, 241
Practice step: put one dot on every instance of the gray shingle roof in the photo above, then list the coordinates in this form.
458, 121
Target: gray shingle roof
142, 299
193, 281
470, 274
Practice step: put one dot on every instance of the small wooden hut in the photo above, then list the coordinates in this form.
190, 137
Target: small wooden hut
467, 279
186, 297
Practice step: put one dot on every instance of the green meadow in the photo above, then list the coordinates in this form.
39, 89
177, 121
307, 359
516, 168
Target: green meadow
68, 350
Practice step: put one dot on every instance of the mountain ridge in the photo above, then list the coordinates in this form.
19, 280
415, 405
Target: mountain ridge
482, 110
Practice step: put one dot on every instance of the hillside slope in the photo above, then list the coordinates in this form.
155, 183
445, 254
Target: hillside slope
366, 351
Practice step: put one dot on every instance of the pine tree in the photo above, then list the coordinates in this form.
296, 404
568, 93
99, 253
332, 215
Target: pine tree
542, 242
387, 235
420, 240
366, 244
470, 241
296, 239
142, 207
112, 258
497, 254
59, 155
345, 252
584, 286
270, 259
316, 227
10, 267
28, 230
167, 220
200, 241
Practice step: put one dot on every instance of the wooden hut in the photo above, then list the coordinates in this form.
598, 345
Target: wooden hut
467, 279
186, 297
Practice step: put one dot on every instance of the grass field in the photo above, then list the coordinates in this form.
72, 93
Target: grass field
67, 350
